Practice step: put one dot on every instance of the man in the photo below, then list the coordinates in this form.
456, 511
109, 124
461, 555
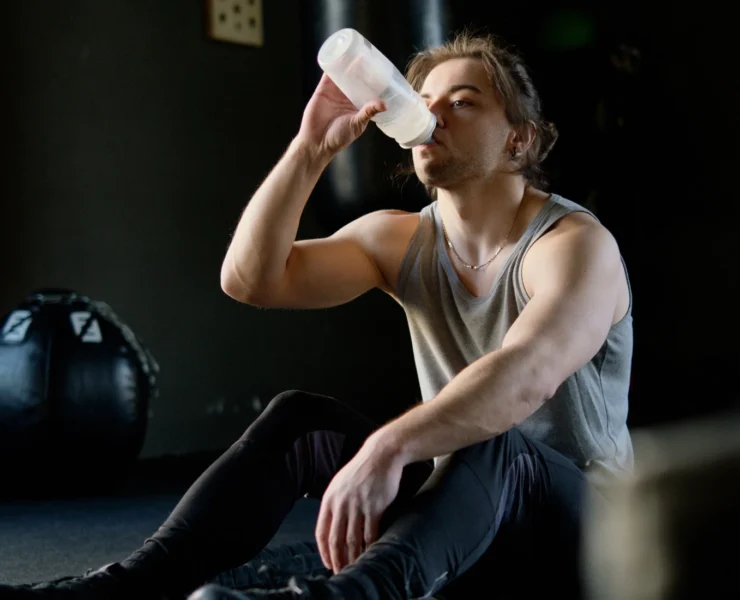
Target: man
519, 309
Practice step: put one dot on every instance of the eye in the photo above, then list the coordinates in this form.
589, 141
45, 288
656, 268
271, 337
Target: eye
459, 103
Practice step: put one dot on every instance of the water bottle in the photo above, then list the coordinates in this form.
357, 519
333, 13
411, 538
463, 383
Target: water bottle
364, 74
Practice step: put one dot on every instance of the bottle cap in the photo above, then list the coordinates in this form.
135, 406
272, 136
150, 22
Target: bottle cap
337, 46
424, 137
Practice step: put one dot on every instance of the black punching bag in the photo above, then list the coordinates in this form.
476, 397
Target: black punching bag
75, 387
361, 178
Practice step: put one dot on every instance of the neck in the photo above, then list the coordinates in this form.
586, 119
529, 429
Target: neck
479, 214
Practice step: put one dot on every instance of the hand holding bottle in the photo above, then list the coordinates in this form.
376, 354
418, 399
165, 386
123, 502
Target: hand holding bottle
331, 122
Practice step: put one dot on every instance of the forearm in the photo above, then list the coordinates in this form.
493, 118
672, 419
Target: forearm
487, 398
264, 237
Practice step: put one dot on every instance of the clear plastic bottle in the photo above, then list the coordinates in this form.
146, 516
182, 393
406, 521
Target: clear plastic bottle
364, 74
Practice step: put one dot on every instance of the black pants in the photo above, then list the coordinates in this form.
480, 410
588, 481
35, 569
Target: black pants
506, 511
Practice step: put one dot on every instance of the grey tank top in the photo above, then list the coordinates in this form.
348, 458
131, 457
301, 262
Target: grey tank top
586, 419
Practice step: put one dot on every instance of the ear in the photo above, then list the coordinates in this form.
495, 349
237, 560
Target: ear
523, 136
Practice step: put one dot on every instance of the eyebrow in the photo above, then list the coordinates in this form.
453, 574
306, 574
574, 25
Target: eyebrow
457, 88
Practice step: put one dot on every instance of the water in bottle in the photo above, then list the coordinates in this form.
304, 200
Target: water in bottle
364, 74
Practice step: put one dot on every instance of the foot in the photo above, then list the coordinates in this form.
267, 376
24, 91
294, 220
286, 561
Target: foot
297, 589
103, 583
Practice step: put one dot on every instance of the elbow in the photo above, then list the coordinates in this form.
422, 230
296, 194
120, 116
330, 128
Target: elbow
234, 287
536, 372
543, 383
231, 284
546, 384
538, 382
231, 288
530, 399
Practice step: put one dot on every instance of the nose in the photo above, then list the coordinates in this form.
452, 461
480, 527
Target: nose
436, 109
440, 119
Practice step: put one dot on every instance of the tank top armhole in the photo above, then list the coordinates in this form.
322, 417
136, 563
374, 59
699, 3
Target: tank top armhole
521, 290
628, 313
411, 252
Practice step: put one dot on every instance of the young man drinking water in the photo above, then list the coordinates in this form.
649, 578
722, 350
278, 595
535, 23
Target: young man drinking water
519, 309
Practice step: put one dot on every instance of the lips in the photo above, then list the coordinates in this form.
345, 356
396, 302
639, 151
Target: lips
435, 141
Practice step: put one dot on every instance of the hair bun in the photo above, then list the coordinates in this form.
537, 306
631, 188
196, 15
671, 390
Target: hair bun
548, 136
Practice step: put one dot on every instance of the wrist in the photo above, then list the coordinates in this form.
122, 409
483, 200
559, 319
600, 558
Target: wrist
390, 442
306, 150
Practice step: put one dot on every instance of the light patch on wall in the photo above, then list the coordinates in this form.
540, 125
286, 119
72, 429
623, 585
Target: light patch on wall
235, 21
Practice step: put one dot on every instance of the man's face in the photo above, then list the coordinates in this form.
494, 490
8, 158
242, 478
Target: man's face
472, 129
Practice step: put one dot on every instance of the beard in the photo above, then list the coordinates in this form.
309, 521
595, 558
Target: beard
446, 171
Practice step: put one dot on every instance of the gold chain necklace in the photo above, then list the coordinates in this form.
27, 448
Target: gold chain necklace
490, 260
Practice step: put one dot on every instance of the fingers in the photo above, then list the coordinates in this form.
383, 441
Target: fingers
371, 530
355, 533
367, 112
323, 526
372, 108
326, 82
339, 536
338, 542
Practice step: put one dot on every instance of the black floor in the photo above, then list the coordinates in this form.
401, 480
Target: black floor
43, 539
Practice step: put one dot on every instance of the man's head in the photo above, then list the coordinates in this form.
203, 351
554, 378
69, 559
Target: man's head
488, 113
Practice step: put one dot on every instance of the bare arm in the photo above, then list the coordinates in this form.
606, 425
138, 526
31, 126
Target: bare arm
257, 257
575, 290
263, 253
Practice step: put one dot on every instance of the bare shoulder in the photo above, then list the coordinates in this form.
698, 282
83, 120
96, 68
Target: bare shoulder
576, 237
577, 244
385, 236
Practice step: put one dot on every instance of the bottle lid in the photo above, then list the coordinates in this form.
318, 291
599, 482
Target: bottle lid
336, 45
424, 137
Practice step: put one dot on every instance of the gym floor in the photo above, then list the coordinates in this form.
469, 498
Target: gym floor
43, 539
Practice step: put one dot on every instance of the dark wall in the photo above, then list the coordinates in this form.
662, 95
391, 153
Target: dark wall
646, 99
131, 145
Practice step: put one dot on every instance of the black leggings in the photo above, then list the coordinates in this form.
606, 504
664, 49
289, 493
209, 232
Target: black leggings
507, 509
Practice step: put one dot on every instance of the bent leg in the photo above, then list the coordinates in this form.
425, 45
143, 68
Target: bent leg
509, 484
235, 507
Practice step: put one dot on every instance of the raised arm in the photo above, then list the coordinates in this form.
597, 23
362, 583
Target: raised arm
256, 266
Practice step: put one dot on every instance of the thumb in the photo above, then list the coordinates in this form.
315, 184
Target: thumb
367, 112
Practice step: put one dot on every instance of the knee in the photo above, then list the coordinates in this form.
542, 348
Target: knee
290, 403
214, 592
286, 416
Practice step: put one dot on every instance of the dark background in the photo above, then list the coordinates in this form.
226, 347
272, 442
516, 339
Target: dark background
131, 143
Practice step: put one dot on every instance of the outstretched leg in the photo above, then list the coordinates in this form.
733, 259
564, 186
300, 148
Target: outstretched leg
234, 508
